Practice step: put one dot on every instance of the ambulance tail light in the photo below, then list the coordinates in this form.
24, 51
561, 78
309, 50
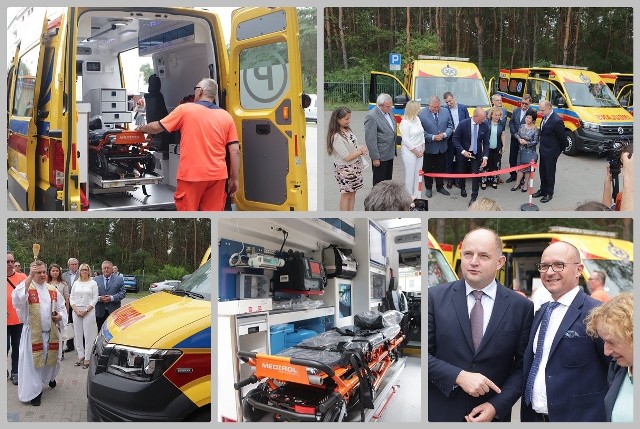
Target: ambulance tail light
56, 164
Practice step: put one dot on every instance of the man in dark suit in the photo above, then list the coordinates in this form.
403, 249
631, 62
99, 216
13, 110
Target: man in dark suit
472, 155
380, 137
438, 127
111, 292
478, 330
517, 119
565, 370
458, 112
69, 277
553, 140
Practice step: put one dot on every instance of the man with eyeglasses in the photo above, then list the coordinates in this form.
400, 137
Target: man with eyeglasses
14, 326
207, 131
517, 119
380, 137
565, 370
477, 333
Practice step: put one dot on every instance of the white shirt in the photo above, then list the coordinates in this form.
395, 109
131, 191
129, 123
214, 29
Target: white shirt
539, 394
84, 293
487, 300
412, 134
454, 116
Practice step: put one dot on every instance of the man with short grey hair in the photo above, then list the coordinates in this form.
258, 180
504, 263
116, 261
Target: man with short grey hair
207, 131
380, 130
438, 127
388, 196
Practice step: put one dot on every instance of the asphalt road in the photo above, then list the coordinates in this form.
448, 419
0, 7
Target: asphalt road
578, 179
67, 402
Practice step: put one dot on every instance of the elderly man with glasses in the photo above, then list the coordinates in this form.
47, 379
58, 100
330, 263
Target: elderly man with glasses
517, 119
565, 370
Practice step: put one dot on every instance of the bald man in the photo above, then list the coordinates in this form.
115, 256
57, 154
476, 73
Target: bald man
565, 370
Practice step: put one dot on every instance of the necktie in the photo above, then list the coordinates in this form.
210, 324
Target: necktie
435, 117
544, 120
477, 319
474, 138
539, 349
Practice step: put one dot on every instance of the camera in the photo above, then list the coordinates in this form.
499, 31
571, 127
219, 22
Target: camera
612, 150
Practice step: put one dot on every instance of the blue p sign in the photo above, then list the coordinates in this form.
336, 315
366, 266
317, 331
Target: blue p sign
395, 61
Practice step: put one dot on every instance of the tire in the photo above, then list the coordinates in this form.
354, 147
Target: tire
572, 143
335, 414
250, 413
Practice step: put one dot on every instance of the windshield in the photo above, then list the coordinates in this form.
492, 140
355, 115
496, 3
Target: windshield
591, 95
619, 274
439, 270
468, 91
199, 282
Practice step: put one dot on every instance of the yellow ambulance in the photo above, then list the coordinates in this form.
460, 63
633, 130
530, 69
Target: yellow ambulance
71, 143
152, 358
431, 75
599, 250
621, 84
439, 268
592, 116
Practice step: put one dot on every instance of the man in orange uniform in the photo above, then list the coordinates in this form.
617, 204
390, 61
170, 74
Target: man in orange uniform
596, 286
206, 132
14, 327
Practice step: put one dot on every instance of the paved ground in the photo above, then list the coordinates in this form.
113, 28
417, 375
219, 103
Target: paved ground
66, 403
578, 179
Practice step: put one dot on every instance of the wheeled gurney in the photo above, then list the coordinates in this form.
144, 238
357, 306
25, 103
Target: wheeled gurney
327, 376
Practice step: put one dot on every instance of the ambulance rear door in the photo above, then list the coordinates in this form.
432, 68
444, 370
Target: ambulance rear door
25, 121
265, 99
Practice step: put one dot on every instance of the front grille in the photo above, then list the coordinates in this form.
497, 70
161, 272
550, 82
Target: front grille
613, 130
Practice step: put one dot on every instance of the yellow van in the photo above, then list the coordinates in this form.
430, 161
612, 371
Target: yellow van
439, 268
621, 84
592, 116
599, 250
152, 358
428, 76
71, 142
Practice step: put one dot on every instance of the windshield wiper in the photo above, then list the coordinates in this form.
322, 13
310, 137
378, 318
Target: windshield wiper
188, 293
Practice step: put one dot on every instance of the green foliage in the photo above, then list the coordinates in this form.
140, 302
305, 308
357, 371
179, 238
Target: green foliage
146, 71
169, 272
308, 36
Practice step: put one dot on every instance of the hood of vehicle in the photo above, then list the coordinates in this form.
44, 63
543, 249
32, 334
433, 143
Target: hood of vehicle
162, 320
604, 116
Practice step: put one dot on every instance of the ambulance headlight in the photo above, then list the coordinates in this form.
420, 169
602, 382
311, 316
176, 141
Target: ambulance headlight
140, 364
591, 126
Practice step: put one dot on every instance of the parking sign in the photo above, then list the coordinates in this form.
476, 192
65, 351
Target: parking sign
395, 61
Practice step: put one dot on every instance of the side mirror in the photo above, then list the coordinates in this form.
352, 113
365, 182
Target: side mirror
562, 102
400, 101
623, 102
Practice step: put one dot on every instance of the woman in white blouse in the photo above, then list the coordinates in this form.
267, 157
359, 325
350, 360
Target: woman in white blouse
412, 147
83, 299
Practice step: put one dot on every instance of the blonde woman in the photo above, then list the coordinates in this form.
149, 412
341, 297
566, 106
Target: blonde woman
83, 299
412, 148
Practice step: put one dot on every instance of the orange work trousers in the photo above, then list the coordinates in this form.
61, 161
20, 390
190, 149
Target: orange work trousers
201, 196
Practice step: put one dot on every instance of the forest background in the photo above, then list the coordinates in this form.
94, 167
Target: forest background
152, 249
358, 40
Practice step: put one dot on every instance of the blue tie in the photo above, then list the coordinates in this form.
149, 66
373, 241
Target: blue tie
539, 349
474, 138
435, 117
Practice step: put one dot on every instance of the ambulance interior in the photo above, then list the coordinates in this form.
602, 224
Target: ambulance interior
112, 49
285, 282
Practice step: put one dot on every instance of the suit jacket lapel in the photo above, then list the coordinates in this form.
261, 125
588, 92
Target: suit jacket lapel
573, 312
383, 118
500, 308
460, 306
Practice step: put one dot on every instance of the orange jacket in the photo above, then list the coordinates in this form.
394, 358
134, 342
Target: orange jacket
12, 316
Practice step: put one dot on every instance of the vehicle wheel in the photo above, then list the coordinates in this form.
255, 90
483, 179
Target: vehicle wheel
201, 415
572, 143
335, 414
249, 412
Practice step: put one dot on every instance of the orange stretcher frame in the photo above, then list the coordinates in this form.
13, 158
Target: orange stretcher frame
274, 370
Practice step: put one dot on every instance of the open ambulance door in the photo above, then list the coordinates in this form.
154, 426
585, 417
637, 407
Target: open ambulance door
71, 199
265, 99
26, 121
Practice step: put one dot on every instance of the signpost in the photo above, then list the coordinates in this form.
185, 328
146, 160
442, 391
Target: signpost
395, 61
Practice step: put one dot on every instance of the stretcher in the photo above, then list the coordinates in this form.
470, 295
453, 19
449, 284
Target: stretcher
121, 158
327, 376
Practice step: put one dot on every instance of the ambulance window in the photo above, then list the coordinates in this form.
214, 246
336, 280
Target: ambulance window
502, 84
516, 87
25, 83
264, 75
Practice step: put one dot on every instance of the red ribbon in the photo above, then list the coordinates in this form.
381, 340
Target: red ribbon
486, 174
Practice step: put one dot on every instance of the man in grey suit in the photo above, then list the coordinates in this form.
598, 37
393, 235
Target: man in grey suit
517, 119
111, 292
69, 277
380, 136
438, 127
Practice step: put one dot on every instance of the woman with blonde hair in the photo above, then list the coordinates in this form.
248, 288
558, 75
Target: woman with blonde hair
83, 299
496, 143
613, 323
412, 148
